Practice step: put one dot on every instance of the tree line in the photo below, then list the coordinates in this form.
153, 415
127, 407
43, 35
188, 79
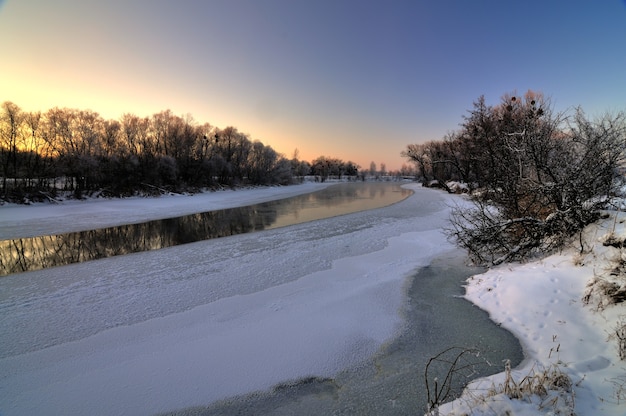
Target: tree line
81, 152
535, 177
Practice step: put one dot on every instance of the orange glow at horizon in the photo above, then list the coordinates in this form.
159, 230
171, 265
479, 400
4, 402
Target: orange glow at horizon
307, 75
31, 93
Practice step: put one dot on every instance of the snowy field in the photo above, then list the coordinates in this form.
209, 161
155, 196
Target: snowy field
184, 326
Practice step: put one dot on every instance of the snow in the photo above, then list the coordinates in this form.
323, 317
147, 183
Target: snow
183, 326
77, 215
187, 325
541, 303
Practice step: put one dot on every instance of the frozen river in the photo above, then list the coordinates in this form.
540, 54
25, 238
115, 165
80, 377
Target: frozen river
40, 251
187, 326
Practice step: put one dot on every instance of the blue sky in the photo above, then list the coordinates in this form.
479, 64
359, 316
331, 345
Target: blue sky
358, 80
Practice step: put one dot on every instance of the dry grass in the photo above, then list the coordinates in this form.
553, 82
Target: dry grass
550, 389
536, 382
609, 288
619, 389
603, 292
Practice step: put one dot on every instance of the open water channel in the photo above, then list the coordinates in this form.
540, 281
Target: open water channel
40, 252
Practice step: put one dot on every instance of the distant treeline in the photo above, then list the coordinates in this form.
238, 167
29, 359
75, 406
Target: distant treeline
81, 152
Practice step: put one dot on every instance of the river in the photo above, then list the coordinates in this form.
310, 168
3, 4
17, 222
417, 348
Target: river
44, 251
340, 313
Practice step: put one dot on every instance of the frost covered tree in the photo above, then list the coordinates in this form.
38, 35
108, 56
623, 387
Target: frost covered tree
543, 178
11, 118
539, 177
383, 169
373, 169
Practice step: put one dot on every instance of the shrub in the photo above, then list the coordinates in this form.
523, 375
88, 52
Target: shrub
540, 178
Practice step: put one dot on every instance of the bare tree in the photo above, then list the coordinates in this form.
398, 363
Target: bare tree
419, 155
433, 161
262, 160
10, 125
123, 156
33, 145
373, 169
542, 177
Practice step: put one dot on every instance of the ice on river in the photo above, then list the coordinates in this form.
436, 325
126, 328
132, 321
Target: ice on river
188, 325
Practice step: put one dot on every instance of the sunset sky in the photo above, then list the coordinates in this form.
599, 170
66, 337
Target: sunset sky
352, 79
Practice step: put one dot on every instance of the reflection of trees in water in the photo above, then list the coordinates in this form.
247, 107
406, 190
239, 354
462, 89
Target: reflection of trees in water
36, 253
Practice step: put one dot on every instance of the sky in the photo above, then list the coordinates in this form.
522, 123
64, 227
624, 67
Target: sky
357, 80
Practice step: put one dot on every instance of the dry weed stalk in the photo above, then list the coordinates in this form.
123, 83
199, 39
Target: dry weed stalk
620, 335
457, 364
619, 386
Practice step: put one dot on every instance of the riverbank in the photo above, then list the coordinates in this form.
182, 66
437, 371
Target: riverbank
17, 221
567, 310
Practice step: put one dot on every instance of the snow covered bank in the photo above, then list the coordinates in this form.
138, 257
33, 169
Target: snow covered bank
183, 326
542, 304
18, 221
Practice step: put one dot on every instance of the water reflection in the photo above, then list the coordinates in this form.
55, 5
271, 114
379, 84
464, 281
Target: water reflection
24, 254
